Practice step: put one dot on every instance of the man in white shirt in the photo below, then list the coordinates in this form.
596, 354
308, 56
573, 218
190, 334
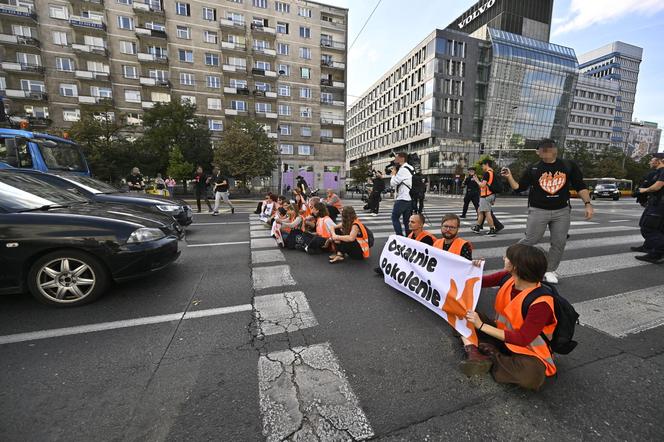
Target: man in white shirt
402, 181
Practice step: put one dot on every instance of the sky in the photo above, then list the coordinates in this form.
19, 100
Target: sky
398, 25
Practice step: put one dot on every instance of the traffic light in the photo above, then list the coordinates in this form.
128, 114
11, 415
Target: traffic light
481, 148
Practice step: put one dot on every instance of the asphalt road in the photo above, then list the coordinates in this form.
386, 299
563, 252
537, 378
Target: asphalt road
238, 341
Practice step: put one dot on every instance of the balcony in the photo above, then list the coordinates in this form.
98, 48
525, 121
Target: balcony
255, 27
149, 81
145, 32
19, 40
332, 24
90, 49
142, 7
234, 68
18, 11
265, 51
263, 72
32, 120
228, 23
268, 115
92, 75
331, 83
327, 102
22, 67
233, 112
142, 56
240, 47
87, 99
87, 22
26, 95
330, 44
332, 64
331, 121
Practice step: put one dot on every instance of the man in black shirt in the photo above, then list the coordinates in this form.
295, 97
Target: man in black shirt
135, 181
548, 201
201, 182
377, 188
642, 198
472, 192
220, 183
652, 220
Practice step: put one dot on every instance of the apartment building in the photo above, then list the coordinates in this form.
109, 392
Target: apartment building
593, 112
282, 63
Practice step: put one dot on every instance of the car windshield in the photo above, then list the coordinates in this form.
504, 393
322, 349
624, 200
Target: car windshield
90, 184
22, 191
61, 156
607, 186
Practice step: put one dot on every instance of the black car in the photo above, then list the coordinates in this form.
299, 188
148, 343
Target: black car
66, 250
606, 191
102, 192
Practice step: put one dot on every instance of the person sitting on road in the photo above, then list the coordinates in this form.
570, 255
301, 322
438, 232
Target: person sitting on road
292, 220
261, 206
354, 241
309, 215
324, 228
282, 202
417, 232
301, 204
450, 242
334, 205
521, 355
269, 208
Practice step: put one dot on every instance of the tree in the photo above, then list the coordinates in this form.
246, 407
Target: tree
360, 171
246, 151
178, 168
578, 151
175, 124
523, 159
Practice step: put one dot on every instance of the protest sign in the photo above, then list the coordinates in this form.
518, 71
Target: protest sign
445, 283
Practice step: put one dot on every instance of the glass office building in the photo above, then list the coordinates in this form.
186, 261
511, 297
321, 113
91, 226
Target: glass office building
530, 91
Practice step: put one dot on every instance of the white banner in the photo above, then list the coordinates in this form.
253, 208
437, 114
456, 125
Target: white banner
445, 283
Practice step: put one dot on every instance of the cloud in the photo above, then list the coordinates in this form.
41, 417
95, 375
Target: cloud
585, 13
365, 52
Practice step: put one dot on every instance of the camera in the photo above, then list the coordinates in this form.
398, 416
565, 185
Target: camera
412, 158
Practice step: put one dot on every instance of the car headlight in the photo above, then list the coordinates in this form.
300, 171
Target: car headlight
168, 208
616, 191
145, 234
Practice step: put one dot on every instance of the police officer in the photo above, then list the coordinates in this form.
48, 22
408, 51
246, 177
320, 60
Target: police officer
472, 192
642, 198
652, 220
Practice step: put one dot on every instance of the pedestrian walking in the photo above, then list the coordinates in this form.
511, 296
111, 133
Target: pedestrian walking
549, 201
487, 198
472, 194
170, 185
652, 220
377, 189
419, 192
135, 181
201, 183
402, 180
160, 185
220, 190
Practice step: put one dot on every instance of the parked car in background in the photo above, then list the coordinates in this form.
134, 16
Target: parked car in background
66, 250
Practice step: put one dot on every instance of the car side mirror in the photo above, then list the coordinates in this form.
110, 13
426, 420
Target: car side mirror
12, 152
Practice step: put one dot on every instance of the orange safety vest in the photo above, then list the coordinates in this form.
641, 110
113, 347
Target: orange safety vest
321, 230
423, 234
288, 229
455, 247
364, 241
508, 317
485, 191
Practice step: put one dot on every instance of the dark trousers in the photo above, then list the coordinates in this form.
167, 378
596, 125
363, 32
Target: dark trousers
402, 210
496, 223
374, 202
471, 197
418, 204
201, 193
652, 228
352, 249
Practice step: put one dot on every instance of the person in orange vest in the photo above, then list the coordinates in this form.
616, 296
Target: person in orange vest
487, 198
450, 242
526, 359
355, 241
417, 232
324, 228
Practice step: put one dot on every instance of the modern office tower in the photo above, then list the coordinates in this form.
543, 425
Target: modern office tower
593, 112
618, 62
530, 19
282, 63
644, 139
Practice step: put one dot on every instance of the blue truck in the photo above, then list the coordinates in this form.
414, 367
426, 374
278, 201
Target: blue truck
25, 149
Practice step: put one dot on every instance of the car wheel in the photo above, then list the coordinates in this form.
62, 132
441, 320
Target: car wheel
616, 198
67, 278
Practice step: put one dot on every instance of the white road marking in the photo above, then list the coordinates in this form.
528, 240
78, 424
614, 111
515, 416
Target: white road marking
263, 243
582, 231
217, 224
620, 220
213, 244
264, 256
257, 227
273, 276
624, 314
260, 233
114, 325
304, 395
595, 264
283, 313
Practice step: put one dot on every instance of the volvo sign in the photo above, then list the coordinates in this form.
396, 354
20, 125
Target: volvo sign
479, 11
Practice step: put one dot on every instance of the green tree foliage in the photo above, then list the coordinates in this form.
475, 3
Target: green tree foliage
578, 151
246, 151
478, 164
178, 168
175, 124
360, 171
522, 160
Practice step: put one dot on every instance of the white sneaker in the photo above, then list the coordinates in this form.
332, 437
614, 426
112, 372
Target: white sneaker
551, 277
374, 214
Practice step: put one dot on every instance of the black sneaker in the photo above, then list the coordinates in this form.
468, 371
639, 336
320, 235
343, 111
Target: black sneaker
651, 258
232, 209
476, 229
638, 249
462, 216
499, 228
491, 232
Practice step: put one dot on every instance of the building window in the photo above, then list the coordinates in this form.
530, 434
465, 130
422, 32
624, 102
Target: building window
132, 96
305, 112
305, 32
125, 22
127, 47
64, 64
211, 59
284, 70
210, 37
239, 105
263, 107
261, 86
235, 18
184, 32
182, 9
209, 14
305, 53
304, 12
284, 90
286, 149
264, 65
58, 11
283, 49
68, 90
282, 7
129, 72
305, 92
304, 149
186, 56
282, 28
239, 84
285, 129
215, 125
305, 73
284, 109
98, 66
305, 131
71, 114
134, 119
187, 79
27, 31
188, 99
260, 4
214, 103
60, 38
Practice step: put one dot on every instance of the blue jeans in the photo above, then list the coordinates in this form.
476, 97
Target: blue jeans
402, 209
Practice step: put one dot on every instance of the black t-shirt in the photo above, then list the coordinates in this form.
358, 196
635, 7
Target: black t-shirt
378, 185
471, 185
656, 198
220, 179
549, 183
200, 182
135, 181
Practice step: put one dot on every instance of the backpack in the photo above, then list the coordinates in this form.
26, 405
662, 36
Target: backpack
418, 186
370, 235
497, 186
412, 191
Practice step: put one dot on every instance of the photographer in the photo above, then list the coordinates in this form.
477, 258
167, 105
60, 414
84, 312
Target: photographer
377, 189
402, 180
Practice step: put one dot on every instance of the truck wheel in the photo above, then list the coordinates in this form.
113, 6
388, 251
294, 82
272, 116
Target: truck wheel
67, 278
